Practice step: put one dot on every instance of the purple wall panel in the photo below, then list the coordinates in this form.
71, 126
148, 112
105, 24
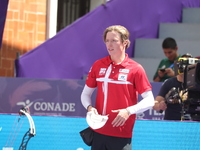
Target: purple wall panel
70, 54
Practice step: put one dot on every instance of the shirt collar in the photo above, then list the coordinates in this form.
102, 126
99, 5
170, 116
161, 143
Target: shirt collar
123, 63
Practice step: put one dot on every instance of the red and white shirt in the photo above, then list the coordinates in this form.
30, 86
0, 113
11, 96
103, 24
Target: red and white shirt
118, 88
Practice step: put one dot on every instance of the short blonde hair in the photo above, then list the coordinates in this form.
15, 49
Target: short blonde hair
124, 33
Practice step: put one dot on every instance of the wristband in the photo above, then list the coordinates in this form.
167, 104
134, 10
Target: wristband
88, 107
128, 111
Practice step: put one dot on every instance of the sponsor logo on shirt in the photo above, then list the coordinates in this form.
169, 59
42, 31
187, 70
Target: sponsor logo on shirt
102, 71
122, 77
124, 70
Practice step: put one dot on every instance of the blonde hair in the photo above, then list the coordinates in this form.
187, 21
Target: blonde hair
124, 33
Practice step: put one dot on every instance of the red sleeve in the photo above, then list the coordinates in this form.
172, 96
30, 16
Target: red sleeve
91, 78
142, 83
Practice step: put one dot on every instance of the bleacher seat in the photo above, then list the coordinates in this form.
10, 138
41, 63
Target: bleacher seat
149, 64
152, 48
191, 15
187, 31
148, 52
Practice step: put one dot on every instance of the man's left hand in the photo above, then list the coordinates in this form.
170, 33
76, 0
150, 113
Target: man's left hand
121, 117
169, 72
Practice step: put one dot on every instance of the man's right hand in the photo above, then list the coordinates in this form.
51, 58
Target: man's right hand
170, 72
90, 108
162, 105
161, 73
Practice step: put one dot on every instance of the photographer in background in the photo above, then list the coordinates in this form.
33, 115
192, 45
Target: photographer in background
165, 69
172, 110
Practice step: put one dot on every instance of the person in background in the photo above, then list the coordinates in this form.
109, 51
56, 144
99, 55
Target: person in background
165, 69
172, 110
118, 79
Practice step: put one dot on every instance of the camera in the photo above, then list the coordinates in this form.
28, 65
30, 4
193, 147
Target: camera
190, 68
192, 77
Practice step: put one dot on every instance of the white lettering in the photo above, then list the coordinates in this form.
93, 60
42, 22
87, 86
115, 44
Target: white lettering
47, 106
57, 107
154, 112
43, 106
72, 105
156, 118
37, 106
50, 106
65, 106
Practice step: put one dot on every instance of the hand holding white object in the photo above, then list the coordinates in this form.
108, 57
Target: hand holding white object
96, 121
